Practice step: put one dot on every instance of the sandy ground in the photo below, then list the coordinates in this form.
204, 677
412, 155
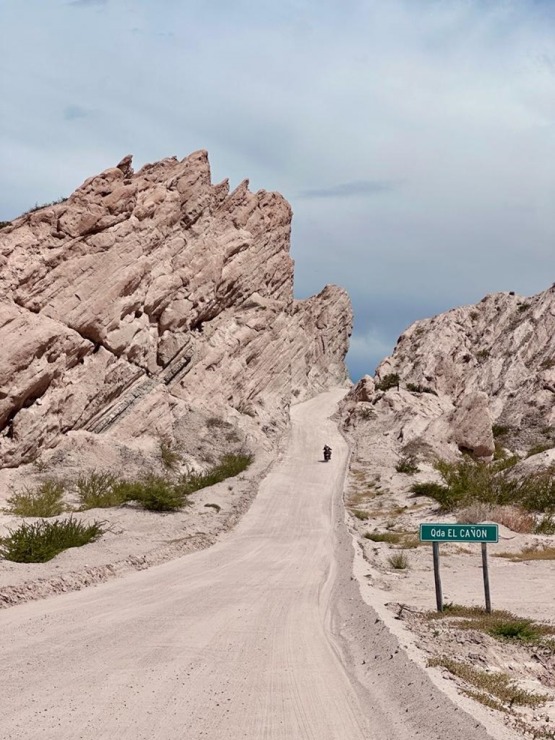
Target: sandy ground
263, 635
379, 501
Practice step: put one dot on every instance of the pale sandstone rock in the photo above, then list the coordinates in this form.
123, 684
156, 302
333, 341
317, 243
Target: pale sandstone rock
156, 286
471, 367
471, 424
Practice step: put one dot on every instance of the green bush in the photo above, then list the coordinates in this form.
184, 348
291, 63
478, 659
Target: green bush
523, 630
407, 465
468, 481
41, 541
392, 538
391, 380
154, 493
3, 224
546, 525
99, 491
45, 500
229, 466
500, 430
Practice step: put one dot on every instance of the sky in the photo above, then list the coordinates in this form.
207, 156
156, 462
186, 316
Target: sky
414, 139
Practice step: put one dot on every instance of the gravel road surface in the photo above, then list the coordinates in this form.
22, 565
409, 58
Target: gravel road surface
259, 637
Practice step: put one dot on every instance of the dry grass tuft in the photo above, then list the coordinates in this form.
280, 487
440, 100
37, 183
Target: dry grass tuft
533, 552
492, 686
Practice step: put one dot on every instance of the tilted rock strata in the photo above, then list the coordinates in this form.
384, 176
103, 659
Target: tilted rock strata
466, 369
152, 291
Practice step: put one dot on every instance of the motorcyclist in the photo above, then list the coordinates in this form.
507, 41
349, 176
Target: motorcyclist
327, 452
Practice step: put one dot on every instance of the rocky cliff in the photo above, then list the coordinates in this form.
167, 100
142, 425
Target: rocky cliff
456, 379
146, 296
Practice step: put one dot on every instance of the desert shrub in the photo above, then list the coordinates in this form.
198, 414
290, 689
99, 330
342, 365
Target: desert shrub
468, 481
546, 525
433, 490
362, 515
45, 500
548, 364
154, 493
407, 465
475, 513
500, 430
99, 491
523, 307
3, 224
482, 354
398, 561
514, 518
516, 629
392, 538
170, 457
41, 541
229, 466
542, 447
391, 380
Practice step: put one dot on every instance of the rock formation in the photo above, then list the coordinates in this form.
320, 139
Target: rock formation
144, 295
457, 377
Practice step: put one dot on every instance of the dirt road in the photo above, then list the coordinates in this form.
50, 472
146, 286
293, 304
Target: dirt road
244, 640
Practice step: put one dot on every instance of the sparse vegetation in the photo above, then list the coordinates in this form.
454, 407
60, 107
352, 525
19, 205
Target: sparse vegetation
3, 224
392, 538
398, 561
529, 553
359, 514
38, 206
99, 491
468, 481
500, 430
483, 354
154, 493
548, 364
169, 456
229, 466
407, 465
42, 541
545, 525
542, 447
391, 380
497, 685
45, 500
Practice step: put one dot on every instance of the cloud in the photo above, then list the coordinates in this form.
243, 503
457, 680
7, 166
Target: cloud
350, 189
71, 112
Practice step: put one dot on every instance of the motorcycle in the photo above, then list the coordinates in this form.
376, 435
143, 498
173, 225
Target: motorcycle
327, 454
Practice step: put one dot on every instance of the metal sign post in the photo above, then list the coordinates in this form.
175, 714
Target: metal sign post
442, 532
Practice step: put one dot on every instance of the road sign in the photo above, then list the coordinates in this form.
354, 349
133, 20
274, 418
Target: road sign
459, 533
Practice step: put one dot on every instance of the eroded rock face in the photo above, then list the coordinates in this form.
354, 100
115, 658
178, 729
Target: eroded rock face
143, 294
468, 369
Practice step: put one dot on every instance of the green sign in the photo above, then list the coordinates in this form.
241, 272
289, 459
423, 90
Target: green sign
459, 533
